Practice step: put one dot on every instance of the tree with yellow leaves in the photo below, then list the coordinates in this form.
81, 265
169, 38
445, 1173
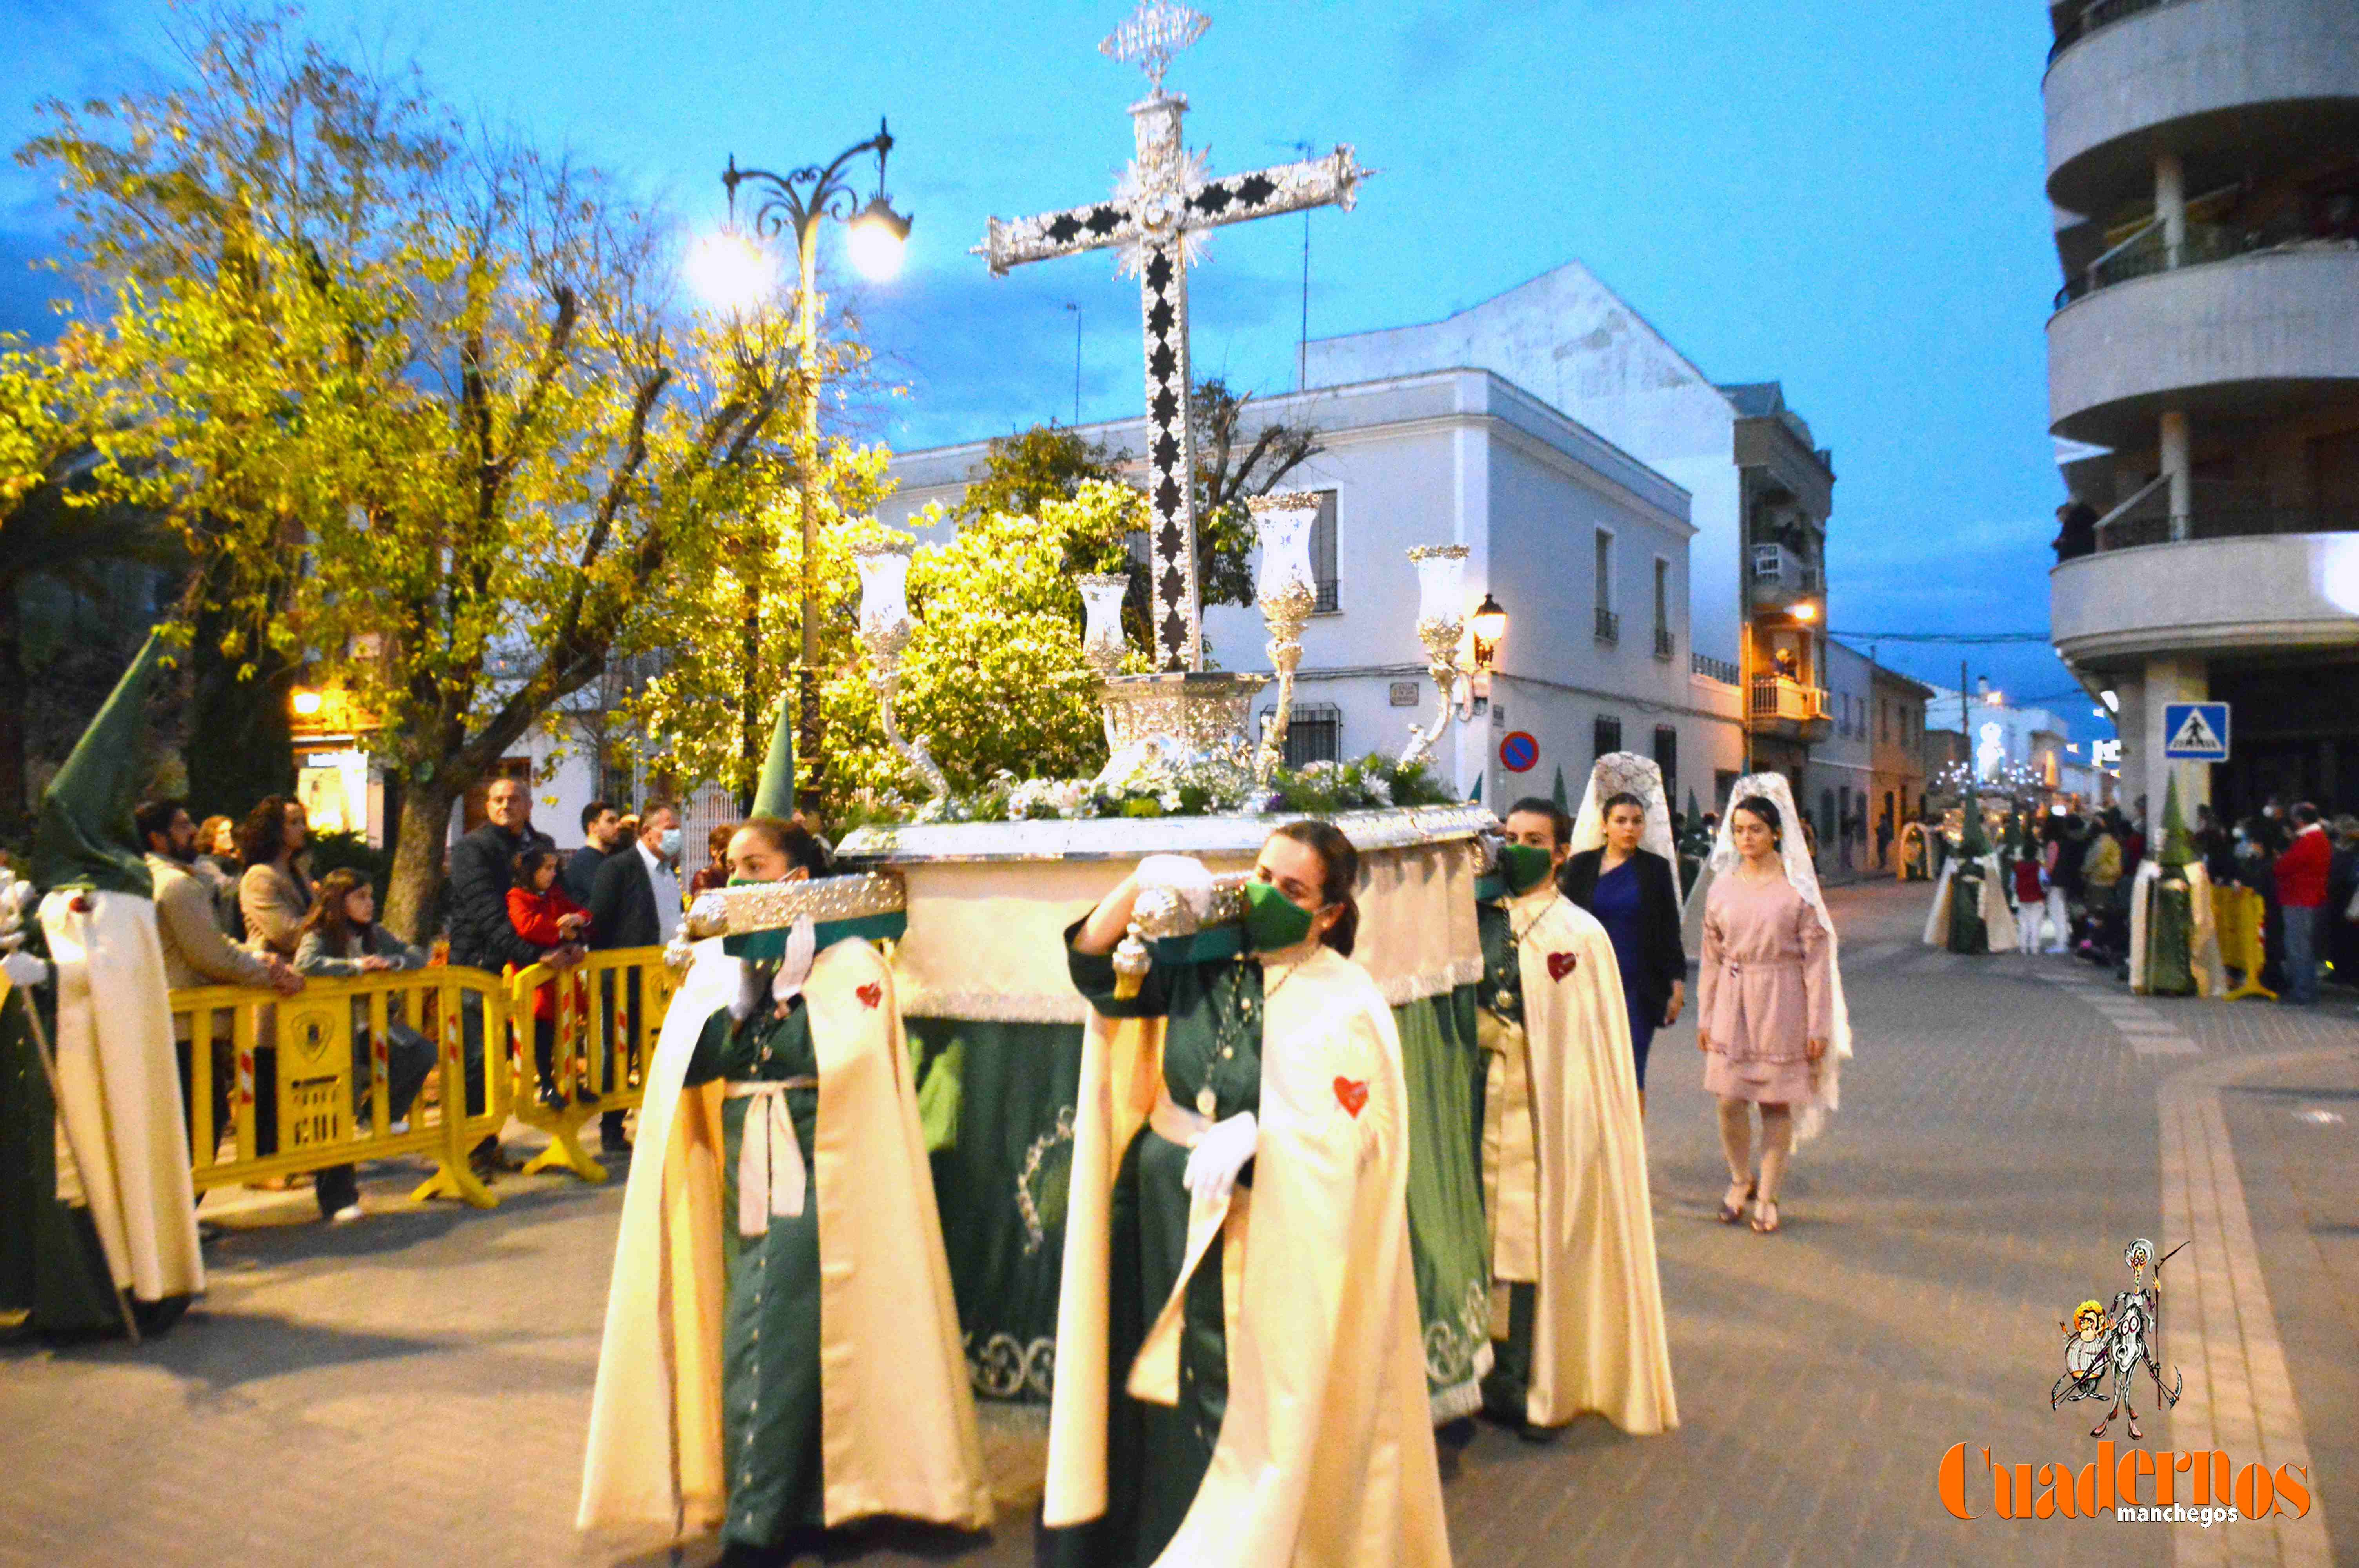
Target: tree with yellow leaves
421, 397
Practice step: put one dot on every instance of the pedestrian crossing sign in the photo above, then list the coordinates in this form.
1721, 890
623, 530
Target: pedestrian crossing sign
2195, 731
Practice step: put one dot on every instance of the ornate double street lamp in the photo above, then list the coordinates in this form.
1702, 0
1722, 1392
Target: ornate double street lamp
732, 270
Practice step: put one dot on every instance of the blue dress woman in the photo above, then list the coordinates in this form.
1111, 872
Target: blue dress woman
1633, 892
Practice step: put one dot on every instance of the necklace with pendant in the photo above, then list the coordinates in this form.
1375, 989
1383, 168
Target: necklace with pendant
1504, 1002
1229, 1026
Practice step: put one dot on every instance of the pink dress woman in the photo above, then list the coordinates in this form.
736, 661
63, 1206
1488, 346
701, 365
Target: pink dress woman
1762, 990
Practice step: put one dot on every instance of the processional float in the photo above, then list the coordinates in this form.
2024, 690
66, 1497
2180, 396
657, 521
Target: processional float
983, 906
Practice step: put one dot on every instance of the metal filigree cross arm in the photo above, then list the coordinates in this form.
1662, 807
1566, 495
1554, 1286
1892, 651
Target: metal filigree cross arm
1155, 223
1151, 35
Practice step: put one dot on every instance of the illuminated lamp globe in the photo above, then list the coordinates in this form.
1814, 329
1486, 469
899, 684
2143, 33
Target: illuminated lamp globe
730, 271
1806, 612
879, 238
306, 704
1490, 620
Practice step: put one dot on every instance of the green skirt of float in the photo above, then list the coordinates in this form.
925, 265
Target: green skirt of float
1003, 1164
769, 1351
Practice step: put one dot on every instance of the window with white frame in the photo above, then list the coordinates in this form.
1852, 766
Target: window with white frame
1322, 557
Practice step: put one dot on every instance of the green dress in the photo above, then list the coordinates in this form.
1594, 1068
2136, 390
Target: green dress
1506, 1388
769, 1337
1967, 932
1156, 1456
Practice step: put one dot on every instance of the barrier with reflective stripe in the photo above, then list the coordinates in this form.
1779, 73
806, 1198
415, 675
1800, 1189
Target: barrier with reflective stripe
301, 1098
608, 1010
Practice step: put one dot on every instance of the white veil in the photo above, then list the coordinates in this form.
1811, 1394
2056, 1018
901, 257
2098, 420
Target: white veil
1626, 772
1809, 1119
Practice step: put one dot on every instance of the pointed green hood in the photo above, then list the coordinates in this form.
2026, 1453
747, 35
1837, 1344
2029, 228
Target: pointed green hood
775, 796
1973, 842
1561, 805
2177, 843
84, 836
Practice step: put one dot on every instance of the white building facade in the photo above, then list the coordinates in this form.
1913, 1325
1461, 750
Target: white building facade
1760, 490
1586, 547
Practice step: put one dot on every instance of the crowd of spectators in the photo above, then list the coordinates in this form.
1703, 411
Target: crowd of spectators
237, 905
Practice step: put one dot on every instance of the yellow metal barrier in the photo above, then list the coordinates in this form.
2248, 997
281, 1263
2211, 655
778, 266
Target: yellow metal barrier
609, 1009
2240, 913
307, 1041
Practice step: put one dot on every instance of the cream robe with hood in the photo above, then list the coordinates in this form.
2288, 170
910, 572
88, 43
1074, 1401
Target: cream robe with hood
1598, 1339
897, 1431
119, 1089
1998, 914
1326, 1456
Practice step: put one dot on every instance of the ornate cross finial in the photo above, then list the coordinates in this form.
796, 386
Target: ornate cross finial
1153, 34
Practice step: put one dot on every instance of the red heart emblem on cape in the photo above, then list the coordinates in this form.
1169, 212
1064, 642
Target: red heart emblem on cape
1352, 1094
871, 995
1562, 965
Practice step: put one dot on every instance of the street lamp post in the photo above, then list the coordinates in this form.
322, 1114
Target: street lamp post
793, 204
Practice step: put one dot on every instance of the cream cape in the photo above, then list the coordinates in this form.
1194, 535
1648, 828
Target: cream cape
1998, 914
2211, 977
897, 1424
1598, 1339
120, 1092
1326, 1455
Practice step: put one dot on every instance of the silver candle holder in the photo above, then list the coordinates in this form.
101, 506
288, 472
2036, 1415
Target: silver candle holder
1441, 625
1287, 592
885, 631
1104, 647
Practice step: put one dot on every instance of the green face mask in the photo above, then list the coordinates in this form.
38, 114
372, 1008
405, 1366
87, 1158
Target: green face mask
1273, 921
1524, 867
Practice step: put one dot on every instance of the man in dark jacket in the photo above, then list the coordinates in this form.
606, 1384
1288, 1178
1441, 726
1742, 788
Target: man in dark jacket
602, 835
482, 872
636, 902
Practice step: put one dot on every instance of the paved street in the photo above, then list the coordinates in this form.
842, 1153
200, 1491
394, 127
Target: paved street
413, 1389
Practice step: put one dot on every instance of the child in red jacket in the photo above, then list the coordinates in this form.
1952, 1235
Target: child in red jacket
545, 917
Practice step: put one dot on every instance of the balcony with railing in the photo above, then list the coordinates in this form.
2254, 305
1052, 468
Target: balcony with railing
2214, 509
1785, 706
2072, 27
1704, 665
1664, 645
2144, 251
1609, 625
1782, 577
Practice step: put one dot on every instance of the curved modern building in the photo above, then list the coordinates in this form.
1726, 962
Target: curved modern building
2204, 165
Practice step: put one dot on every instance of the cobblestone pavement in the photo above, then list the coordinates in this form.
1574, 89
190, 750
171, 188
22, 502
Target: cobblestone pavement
413, 1389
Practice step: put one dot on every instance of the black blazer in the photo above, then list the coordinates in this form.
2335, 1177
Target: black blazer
1663, 958
623, 902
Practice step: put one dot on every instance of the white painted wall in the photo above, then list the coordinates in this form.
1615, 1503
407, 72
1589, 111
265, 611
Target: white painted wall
1572, 342
1460, 456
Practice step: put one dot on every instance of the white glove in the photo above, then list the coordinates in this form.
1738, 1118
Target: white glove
1183, 875
24, 969
749, 994
1219, 1155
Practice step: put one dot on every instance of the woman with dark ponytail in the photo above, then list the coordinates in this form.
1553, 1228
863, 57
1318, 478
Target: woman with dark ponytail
1274, 1074
1768, 1000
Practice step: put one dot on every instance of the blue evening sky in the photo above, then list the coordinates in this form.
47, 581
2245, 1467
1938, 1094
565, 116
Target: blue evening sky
1842, 196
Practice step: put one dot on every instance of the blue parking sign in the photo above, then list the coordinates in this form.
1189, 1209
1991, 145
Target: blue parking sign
2195, 731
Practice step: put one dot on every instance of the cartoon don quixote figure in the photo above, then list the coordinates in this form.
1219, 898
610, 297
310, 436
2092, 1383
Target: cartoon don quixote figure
2121, 1339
